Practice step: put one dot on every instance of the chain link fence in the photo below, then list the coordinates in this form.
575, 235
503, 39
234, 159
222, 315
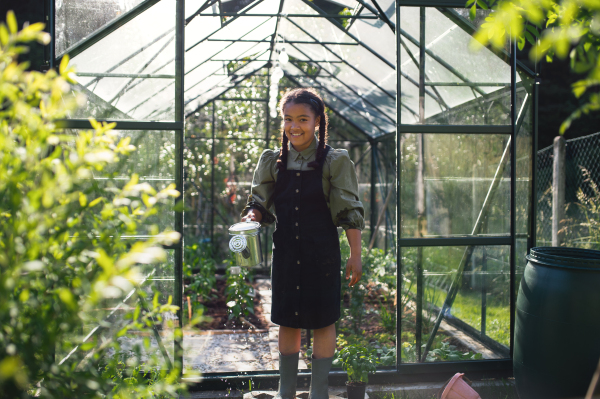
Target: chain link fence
582, 163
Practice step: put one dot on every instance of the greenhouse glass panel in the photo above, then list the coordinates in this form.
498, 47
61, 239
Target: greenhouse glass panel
464, 85
474, 281
463, 189
378, 36
153, 161
322, 29
78, 19
154, 283
130, 74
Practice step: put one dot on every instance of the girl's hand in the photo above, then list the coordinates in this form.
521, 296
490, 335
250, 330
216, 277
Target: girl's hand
354, 268
253, 215
354, 265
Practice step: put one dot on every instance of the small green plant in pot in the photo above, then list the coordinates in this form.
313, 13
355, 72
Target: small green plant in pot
358, 361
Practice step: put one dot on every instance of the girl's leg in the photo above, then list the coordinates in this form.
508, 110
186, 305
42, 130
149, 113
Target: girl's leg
324, 342
289, 351
323, 350
289, 340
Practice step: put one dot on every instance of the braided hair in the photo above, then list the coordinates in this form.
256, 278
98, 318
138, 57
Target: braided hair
311, 98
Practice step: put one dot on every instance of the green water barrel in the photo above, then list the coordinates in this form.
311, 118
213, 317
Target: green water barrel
557, 331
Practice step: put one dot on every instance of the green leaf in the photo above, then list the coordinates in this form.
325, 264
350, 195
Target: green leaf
95, 202
482, 4
473, 12
87, 346
530, 38
469, 3
82, 199
11, 21
64, 63
67, 298
533, 30
4, 37
521, 42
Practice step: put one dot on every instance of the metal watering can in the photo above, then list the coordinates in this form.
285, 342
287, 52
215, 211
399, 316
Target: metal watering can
245, 244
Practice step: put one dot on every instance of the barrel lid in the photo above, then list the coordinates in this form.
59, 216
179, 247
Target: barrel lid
571, 258
244, 227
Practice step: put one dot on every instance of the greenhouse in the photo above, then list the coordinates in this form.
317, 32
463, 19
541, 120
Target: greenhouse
442, 135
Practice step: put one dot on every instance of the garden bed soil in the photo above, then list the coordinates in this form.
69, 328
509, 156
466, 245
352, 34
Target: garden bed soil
371, 325
216, 309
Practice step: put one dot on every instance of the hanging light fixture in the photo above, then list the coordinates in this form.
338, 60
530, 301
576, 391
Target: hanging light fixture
283, 57
276, 76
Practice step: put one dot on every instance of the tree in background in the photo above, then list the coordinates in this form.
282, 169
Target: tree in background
64, 259
554, 28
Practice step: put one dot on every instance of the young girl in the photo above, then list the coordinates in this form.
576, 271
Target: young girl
313, 189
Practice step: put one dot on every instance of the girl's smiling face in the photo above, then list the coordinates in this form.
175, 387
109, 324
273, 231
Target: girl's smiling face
299, 124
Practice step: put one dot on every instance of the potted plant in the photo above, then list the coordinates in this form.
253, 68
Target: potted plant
358, 361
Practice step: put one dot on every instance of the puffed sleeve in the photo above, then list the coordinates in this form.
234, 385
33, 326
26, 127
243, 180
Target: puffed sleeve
346, 209
263, 186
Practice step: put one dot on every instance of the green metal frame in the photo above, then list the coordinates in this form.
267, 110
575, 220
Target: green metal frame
401, 372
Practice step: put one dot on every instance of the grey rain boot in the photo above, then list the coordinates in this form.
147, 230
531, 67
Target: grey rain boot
319, 382
288, 376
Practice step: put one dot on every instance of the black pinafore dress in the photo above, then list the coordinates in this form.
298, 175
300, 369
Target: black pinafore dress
305, 274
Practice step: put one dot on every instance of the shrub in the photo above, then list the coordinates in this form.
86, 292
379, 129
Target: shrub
62, 255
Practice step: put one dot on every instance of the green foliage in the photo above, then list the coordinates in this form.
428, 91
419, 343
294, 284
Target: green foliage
345, 21
379, 272
200, 267
129, 380
562, 28
388, 318
239, 292
590, 206
387, 356
63, 254
583, 231
449, 353
358, 361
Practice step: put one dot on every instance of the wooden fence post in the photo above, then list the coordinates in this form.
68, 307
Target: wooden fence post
558, 189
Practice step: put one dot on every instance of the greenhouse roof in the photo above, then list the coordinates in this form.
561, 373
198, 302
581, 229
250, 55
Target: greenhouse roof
346, 49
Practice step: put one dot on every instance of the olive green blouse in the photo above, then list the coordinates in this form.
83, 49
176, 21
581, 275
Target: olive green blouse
340, 185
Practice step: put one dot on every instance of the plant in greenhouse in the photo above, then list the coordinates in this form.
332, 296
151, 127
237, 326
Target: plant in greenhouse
387, 356
64, 257
239, 293
358, 361
561, 28
199, 268
388, 318
449, 352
